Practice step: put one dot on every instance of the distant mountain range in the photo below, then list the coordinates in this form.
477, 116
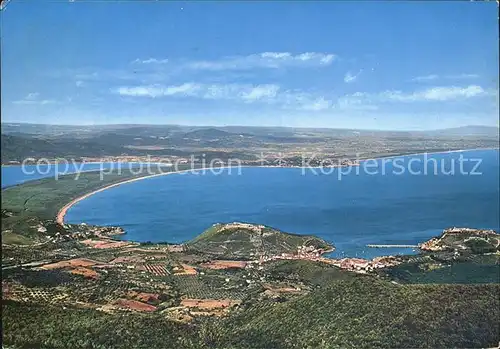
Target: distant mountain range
472, 130
20, 141
222, 131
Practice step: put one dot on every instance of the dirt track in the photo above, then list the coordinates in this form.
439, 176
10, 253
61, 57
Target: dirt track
134, 305
89, 273
222, 264
78, 262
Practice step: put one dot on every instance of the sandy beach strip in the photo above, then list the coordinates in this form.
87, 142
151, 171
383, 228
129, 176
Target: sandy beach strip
62, 212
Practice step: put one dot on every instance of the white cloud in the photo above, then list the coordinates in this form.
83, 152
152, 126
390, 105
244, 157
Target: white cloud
276, 55
93, 74
426, 78
184, 89
314, 56
221, 91
349, 77
356, 101
157, 71
33, 98
244, 93
40, 102
436, 94
433, 77
150, 61
153, 91
271, 60
88, 76
463, 76
296, 99
453, 92
317, 104
300, 100
261, 92
372, 101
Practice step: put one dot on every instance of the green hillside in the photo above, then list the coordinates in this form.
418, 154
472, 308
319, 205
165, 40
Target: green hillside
359, 312
242, 240
364, 312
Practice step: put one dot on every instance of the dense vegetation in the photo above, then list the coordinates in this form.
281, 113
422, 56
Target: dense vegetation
461, 241
314, 273
240, 240
480, 245
360, 312
471, 270
17, 148
368, 313
36, 326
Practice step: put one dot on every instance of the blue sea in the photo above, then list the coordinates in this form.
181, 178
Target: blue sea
403, 200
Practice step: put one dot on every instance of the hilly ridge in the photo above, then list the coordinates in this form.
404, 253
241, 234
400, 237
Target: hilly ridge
243, 240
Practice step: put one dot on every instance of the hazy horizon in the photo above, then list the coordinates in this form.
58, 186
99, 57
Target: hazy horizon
249, 126
385, 65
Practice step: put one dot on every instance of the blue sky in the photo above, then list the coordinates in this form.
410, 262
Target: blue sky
376, 65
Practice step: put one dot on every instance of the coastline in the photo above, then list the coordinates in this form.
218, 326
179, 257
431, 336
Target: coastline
430, 153
163, 164
88, 162
63, 211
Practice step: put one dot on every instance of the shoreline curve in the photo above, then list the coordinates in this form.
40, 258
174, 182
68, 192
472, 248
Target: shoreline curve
63, 211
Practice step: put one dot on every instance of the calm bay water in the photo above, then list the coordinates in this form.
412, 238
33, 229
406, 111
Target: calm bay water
357, 210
